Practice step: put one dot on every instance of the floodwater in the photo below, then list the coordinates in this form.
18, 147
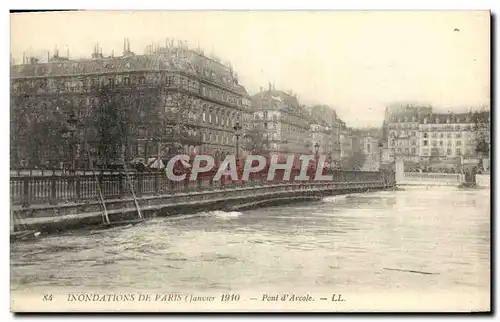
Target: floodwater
419, 239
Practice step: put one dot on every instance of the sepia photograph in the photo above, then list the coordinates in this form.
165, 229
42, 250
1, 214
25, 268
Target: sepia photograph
250, 161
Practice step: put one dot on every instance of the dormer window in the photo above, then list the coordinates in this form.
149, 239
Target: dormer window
437, 120
425, 120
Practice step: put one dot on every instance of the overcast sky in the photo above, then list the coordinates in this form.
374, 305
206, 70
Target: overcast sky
357, 62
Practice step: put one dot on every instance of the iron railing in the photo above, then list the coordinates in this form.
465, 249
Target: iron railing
80, 188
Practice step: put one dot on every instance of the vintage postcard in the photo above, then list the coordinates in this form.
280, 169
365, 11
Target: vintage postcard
250, 161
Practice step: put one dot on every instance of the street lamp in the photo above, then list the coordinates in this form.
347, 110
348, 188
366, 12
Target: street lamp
316, 147
381, 151
237, 133
73, 121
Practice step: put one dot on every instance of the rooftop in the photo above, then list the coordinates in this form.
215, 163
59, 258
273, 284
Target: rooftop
175, 59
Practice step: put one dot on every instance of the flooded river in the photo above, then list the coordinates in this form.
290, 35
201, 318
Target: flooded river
416, 239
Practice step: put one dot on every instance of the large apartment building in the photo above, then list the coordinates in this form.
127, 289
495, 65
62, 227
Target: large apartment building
329, 116
444, 136
282, 121
417, 134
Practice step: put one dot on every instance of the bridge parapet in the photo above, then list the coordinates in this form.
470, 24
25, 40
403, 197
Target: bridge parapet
430, 178
29, 191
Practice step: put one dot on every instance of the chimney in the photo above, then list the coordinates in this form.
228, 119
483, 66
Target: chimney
124, 46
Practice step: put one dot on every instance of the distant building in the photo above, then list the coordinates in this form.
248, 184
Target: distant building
321, 139
445, 136
420, 136
283, 122
370, 141
329, 116
346, 144
402, 128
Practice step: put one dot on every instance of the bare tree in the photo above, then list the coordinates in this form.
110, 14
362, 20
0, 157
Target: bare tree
255, 142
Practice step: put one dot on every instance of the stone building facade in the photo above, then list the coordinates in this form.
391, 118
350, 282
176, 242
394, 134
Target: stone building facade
283, 122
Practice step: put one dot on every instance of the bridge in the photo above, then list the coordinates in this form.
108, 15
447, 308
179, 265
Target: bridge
60, 202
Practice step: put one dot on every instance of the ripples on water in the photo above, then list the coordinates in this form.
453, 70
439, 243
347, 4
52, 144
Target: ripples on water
415, 239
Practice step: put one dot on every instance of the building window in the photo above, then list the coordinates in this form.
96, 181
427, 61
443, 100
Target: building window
426, 135
458, 135
448, 151
458, 143
434, 143
458, 151
448, 135
441, 143
426, 142
441, 135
